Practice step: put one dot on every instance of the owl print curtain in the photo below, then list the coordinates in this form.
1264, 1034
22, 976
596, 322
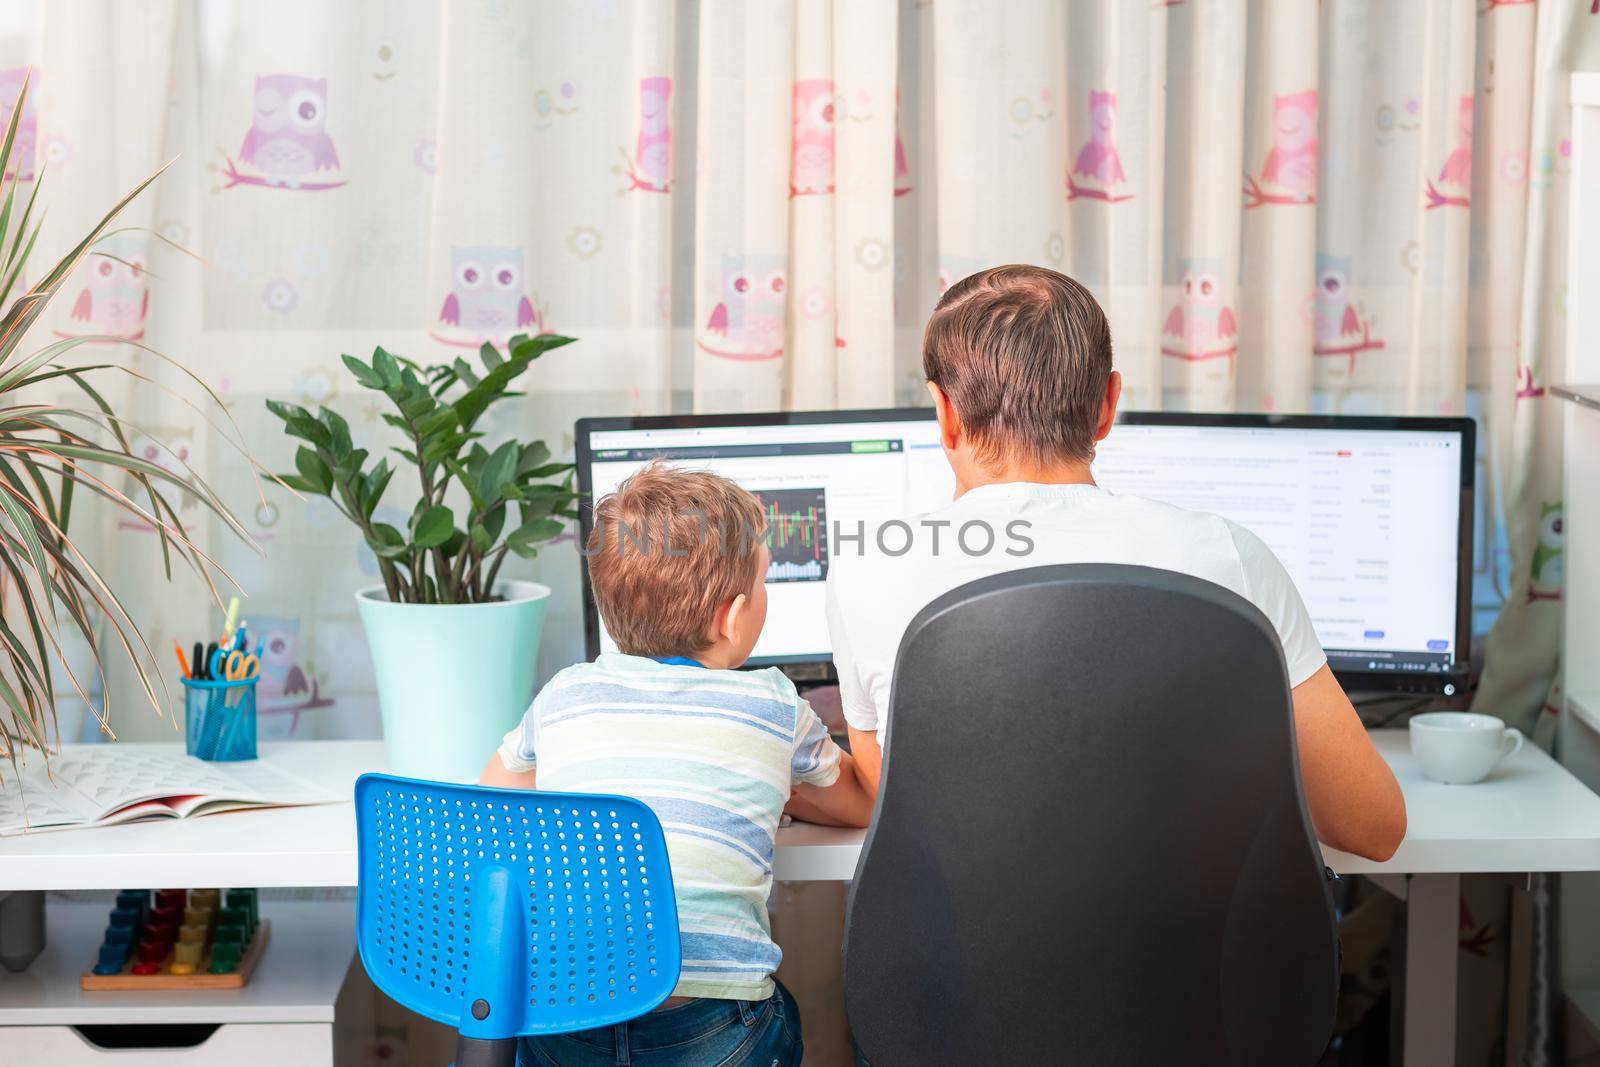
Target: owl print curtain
1337, 206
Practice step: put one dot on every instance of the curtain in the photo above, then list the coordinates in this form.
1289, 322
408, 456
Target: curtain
1344, 206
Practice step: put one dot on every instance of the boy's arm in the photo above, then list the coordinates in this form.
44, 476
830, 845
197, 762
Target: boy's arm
844, 803
495, 774
824, 787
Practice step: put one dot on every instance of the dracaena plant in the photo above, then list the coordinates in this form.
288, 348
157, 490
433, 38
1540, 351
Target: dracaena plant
476, 504
53, 451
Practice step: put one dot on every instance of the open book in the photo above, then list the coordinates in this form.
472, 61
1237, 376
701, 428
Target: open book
101, 785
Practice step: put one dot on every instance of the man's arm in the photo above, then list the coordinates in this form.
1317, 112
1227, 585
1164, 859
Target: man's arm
868, 757
844, 803
495, 773
1356, 804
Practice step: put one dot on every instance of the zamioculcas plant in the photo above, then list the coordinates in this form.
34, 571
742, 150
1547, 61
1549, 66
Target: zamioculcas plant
451, 549
50, 453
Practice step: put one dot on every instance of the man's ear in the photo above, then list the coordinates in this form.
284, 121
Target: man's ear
949, 421
729, 616
1108, 407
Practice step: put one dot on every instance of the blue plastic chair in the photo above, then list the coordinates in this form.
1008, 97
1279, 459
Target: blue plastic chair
508, 913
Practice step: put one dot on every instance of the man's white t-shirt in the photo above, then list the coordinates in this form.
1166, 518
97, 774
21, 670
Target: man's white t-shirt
873, 596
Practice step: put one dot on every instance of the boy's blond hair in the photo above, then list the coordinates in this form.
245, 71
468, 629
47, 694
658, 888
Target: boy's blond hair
666, 549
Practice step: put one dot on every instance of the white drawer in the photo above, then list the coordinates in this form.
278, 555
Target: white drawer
232, 1045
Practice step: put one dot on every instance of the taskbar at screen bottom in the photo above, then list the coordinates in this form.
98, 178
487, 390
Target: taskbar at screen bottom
1398, 661
1359, 670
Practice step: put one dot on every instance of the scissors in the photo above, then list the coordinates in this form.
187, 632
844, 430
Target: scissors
240, 665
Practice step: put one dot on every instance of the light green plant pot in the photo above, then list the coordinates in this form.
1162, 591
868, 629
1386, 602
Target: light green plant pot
452, 678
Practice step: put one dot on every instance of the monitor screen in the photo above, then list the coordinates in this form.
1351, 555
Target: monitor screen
1370, 515
1367, 519
812, 478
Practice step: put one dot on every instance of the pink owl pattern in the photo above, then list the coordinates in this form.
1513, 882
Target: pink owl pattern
1098, 169
289, 685
902, 165
811, 161
1201, 326
287, 145
1289, 174
1528, 387
23, 149
115, 298
171, 448
748, 322
1342, 331
488, 300
1457, 170
649, 168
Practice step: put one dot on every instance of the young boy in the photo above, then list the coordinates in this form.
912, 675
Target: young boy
677, 561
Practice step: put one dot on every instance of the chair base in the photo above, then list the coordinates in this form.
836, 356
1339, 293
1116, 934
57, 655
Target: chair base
486, 1052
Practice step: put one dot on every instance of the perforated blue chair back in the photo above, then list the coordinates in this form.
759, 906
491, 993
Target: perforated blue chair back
508, 912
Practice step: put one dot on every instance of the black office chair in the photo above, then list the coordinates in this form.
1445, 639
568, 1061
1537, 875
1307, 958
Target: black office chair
1090, 845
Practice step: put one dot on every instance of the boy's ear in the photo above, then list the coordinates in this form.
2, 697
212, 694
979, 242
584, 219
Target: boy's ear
725, 623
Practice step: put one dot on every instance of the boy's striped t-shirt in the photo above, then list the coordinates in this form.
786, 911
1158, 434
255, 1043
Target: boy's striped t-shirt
715, 754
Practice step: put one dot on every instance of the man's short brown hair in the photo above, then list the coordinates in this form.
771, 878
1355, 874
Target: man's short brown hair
1024, 354
666, 549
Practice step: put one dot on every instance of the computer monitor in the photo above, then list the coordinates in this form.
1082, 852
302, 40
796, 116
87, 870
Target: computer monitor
1370, 515
814, 471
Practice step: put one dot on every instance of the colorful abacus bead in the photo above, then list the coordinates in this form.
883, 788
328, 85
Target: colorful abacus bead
152, 954
224, 958
246, 898
112, 957
186, 956
121, 938
134, 898
236, 916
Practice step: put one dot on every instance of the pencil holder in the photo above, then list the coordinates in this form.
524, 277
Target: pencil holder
220, 719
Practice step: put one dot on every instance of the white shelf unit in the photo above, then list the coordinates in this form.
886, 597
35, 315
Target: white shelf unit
1579, 738
285, 1014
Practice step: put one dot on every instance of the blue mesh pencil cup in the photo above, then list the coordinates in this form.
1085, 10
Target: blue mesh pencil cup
220, 719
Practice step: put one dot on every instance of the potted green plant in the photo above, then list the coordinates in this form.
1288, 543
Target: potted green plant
63, 444
453, 643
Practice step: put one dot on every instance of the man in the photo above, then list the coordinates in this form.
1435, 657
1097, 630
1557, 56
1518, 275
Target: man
1018, 363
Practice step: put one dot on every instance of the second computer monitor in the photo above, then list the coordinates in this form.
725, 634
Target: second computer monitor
1371, 516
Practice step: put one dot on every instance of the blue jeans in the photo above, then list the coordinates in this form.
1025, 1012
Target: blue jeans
703, 1033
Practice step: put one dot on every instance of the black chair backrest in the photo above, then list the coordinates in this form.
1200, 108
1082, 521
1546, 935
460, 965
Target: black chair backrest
1090, 845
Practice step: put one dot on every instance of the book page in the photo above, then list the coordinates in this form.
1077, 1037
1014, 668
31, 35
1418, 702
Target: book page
37, 802
115, 783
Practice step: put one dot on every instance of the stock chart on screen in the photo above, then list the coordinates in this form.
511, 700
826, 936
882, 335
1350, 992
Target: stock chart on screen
797, 523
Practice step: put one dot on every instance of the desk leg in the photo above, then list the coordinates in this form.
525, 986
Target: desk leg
1433, 915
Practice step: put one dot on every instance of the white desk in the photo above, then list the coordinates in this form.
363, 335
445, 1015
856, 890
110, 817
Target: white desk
309, 846
1530, 816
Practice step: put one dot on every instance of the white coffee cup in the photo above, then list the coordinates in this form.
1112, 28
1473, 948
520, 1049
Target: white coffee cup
1459, 747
